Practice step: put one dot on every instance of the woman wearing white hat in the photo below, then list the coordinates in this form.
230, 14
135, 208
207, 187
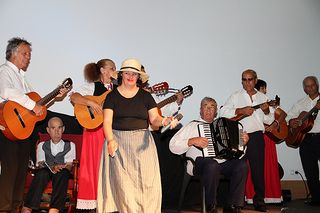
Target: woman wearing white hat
129, 177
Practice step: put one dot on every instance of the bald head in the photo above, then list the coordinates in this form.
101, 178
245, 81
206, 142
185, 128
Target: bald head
54, 120
55, 129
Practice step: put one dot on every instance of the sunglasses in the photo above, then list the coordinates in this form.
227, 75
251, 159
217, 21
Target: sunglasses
247, 79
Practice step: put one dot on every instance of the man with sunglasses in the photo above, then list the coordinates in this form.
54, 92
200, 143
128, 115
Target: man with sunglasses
241, 103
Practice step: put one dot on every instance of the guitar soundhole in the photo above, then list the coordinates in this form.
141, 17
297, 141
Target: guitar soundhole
90, 112
20, 119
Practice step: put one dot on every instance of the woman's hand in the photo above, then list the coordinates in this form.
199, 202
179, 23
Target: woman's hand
96, 108
173, 122
112, 147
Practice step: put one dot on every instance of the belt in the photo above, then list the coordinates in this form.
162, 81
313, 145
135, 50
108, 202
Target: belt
314, 134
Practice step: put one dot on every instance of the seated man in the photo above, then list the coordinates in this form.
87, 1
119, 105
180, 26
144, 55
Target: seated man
187, 140
54, 158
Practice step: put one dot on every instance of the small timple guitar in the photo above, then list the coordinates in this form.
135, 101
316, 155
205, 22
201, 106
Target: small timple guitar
275, 102
91, 120
159, 88
17, 122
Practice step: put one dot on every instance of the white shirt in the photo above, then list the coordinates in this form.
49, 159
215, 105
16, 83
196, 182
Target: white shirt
179, 143
251, 123
88, 88
13, 85
305, 104
55, 149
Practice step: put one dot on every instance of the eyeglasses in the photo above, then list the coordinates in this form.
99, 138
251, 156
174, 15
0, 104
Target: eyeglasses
247, 79
131, 73
110, 68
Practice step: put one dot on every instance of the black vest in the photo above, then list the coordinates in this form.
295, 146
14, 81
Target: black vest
99, 88
59, 158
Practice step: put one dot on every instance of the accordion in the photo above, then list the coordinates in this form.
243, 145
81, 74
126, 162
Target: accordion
224, 139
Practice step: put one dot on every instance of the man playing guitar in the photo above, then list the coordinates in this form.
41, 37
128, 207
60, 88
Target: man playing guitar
310, 144
14, 155
241, 103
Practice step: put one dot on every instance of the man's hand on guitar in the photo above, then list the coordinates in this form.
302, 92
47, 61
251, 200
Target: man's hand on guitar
318, 105
294, 123
245, 111
265, 108
38, 110
198, 142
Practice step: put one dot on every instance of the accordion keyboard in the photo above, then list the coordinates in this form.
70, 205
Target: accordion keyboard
204, 131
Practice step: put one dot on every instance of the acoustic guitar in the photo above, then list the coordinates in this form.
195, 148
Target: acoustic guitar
17, 122
275, 102
306, 121
186, 92
91, 120
280, 133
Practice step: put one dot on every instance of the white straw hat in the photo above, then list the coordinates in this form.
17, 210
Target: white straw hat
133, 65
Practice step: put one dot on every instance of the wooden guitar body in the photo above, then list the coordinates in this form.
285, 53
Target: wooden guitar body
281, 132
296, 135
19, 122
87, 118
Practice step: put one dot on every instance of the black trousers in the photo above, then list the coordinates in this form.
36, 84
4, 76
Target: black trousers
39, 183
255, 155
235, 170
14, 159
310, 155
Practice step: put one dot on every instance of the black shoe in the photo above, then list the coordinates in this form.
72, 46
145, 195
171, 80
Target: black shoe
212, 209
260, 207
232, 209
312, 203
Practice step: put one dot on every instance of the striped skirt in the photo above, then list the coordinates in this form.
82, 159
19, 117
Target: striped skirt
130, 181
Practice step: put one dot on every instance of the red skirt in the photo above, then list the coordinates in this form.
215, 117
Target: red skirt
89, 168
273, 192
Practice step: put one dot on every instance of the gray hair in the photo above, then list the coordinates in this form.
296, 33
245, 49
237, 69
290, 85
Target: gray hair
254, 73
208, 99
313, 78
13, 45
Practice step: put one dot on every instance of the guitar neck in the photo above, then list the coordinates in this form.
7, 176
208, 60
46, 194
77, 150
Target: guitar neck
46, 99
167, 101
258, 105
308, 114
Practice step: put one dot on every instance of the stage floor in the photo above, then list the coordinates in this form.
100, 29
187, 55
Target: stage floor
294, 206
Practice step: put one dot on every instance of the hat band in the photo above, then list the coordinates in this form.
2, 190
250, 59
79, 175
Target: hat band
130, 68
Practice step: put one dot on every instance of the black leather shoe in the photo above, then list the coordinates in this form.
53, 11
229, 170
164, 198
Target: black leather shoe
260, 207
212, 209
312, 203
232, 209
